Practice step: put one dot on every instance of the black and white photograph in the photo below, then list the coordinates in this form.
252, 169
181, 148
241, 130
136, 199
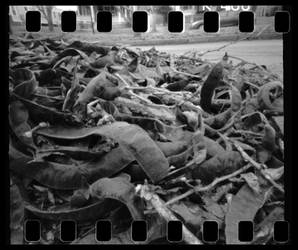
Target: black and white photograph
147, 125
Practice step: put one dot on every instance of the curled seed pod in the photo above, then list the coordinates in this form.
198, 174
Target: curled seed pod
270, 97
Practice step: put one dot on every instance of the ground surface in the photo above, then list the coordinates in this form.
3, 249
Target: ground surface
263, 52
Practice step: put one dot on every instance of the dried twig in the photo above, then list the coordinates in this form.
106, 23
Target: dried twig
246, 62
40, 125
257, 166
221, 47
159, 90
91, 230
233, 42
230, 123
187, 74
208, 187
166, 213
148, 102
240, 131
251, 84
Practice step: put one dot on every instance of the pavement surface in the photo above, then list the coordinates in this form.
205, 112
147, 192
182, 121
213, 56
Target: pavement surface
262, 52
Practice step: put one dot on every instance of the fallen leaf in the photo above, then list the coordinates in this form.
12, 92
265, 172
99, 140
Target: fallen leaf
243, 207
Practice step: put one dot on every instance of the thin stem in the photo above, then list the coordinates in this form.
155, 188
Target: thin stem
257, 166
208, 187
166, 213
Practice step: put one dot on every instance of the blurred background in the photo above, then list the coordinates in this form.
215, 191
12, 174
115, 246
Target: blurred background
264, 45
122, 19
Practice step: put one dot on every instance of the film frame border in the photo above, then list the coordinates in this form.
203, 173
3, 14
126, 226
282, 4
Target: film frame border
287, 38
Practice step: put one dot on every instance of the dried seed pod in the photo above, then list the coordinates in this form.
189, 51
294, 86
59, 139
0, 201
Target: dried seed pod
270, 97
99, 86
219, 165
214, 80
